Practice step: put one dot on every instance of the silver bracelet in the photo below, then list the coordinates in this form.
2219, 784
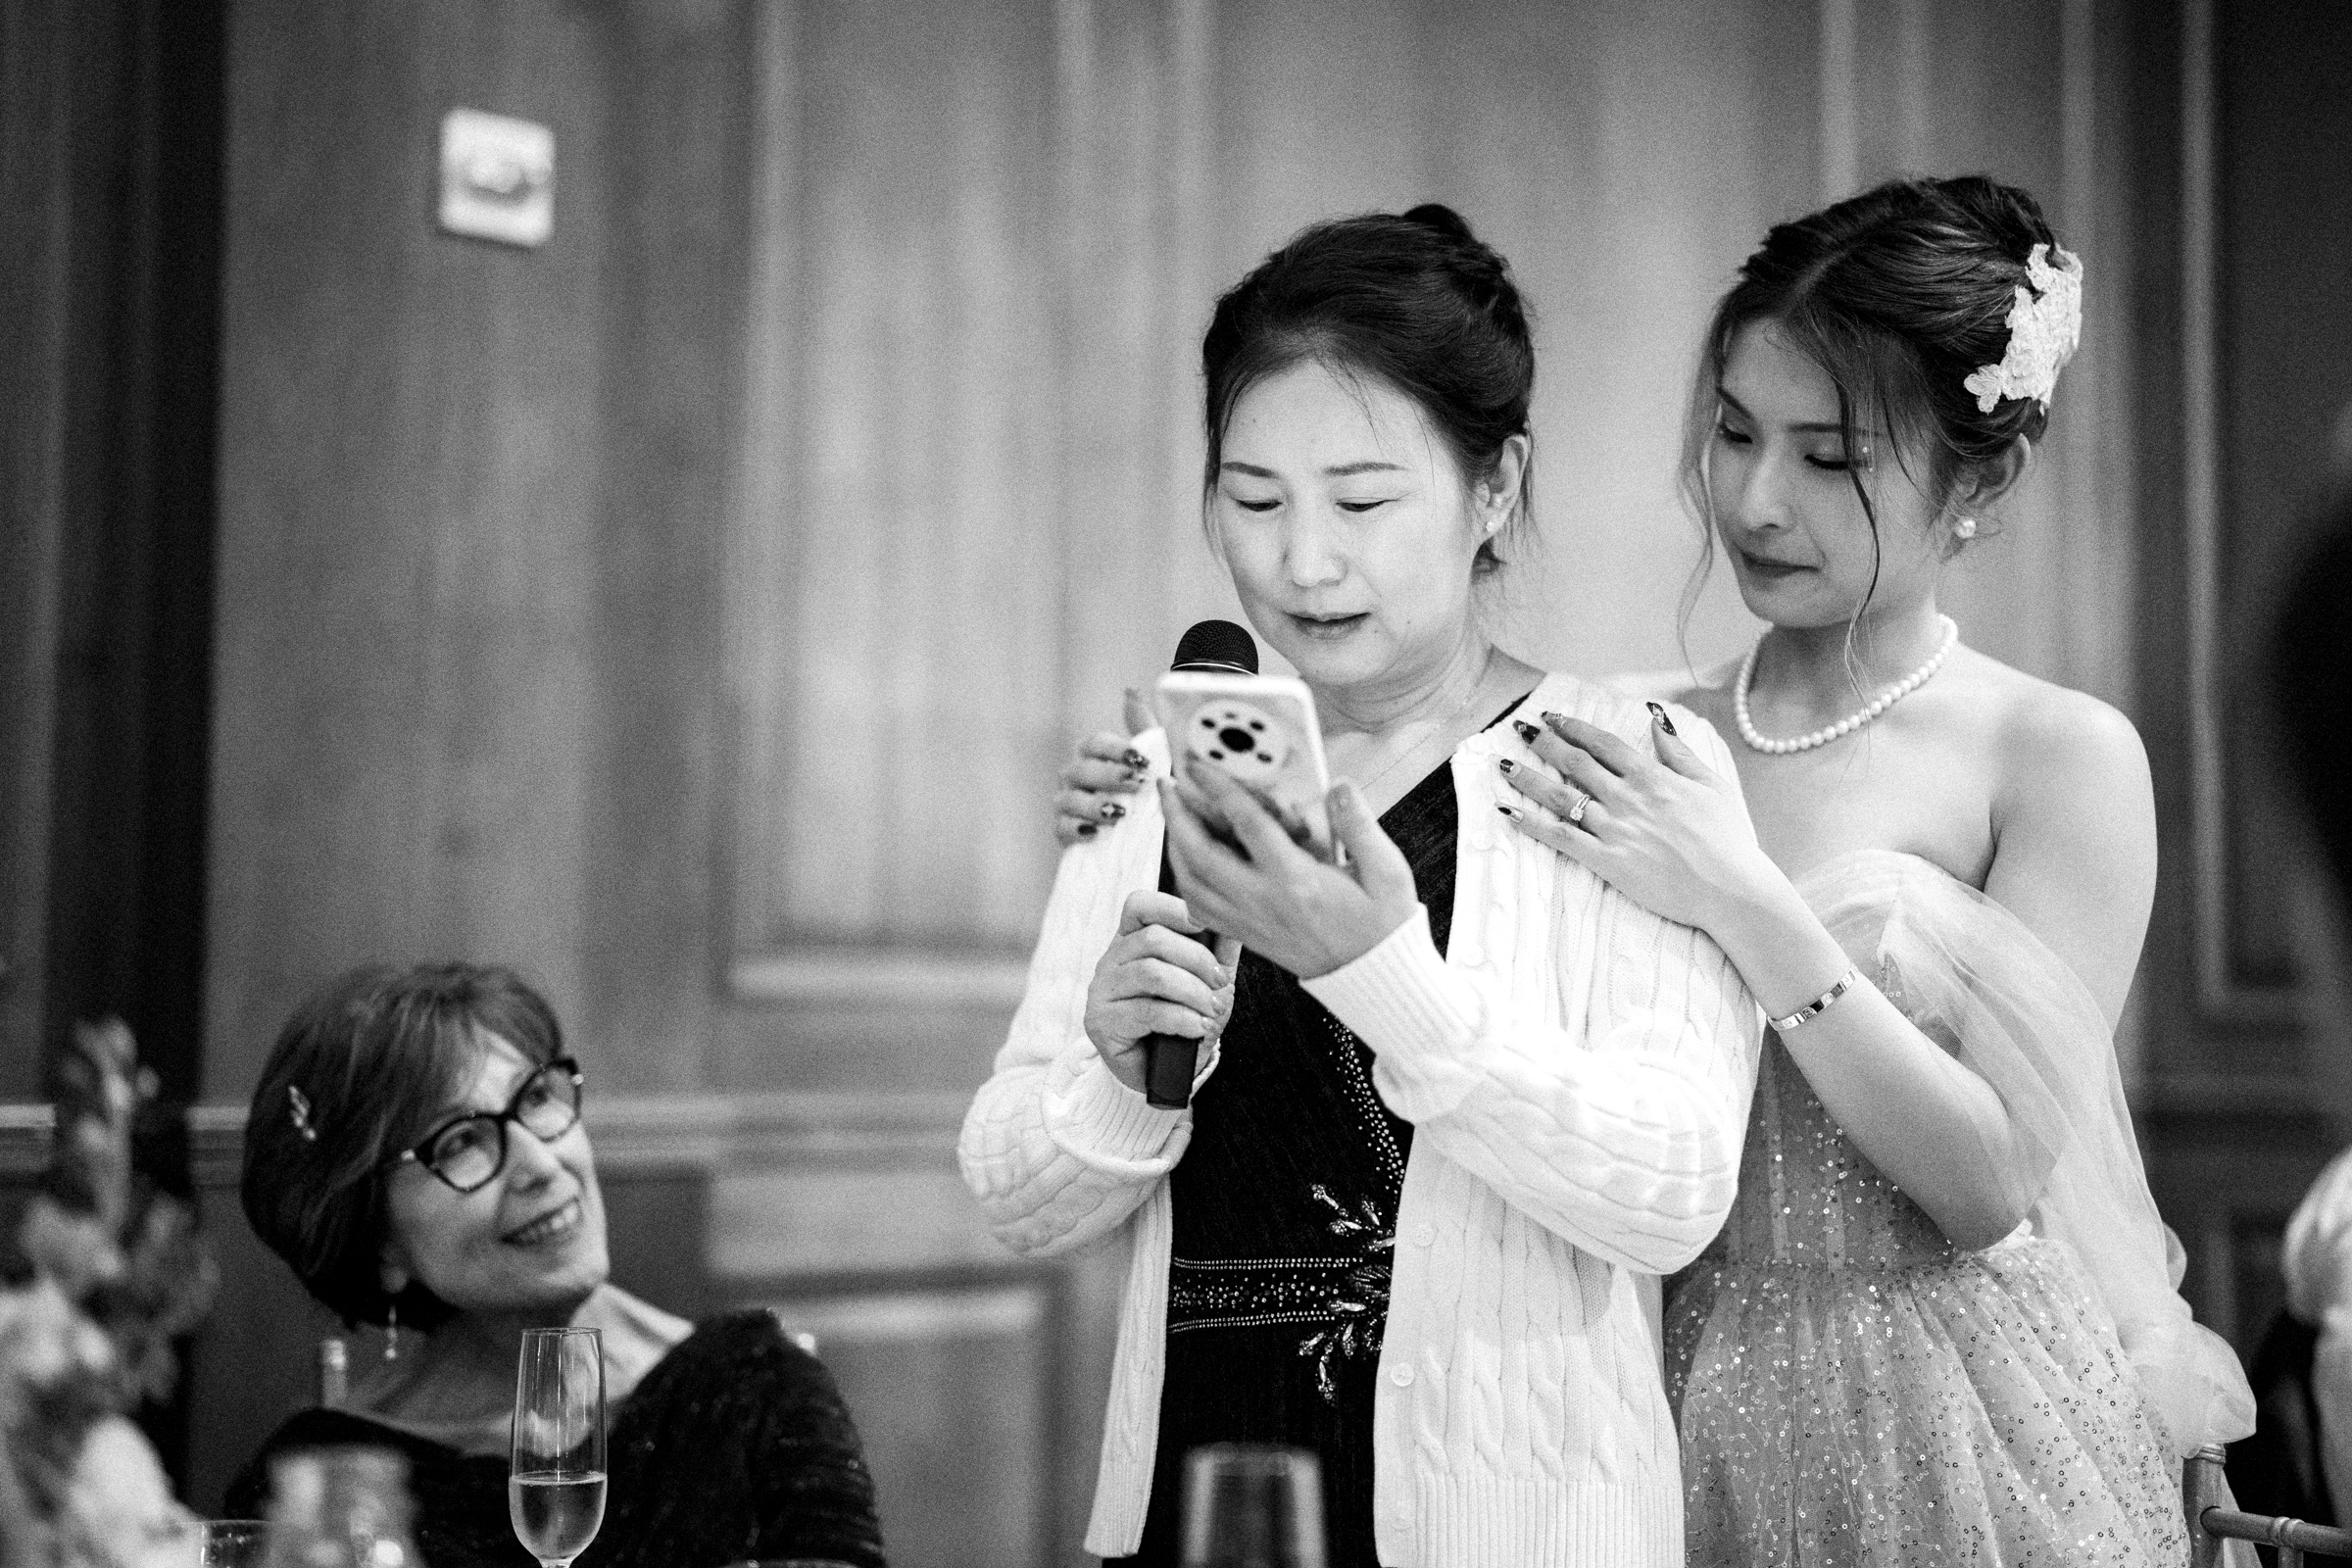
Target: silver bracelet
1819, 1005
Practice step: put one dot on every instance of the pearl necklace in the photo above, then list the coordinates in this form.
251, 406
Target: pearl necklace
1851, 722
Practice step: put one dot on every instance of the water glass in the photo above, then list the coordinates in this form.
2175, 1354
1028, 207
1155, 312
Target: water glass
1252, 1505
341, 1508
556, 1486
234, 1542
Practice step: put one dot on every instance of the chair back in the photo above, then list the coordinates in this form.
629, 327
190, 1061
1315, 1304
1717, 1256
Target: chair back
2213, 1521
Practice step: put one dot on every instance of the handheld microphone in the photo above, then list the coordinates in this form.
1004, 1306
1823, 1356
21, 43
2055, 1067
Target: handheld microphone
1169, 1060
1217, 644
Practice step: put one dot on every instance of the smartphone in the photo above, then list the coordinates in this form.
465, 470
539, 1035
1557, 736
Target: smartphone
1260, 728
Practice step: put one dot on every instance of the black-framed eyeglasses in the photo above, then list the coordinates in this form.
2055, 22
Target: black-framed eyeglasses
468, 1151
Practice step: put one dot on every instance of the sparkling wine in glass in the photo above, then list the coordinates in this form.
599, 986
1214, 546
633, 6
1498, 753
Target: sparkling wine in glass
555, 1488
1252, 1505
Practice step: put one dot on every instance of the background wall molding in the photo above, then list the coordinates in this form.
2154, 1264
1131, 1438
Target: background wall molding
2223, 993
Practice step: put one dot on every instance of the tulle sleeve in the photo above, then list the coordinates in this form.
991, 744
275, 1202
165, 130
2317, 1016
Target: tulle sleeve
1973, 977
2318, 1290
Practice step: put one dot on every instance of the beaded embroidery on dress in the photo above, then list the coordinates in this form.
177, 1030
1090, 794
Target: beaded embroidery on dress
1852, 1390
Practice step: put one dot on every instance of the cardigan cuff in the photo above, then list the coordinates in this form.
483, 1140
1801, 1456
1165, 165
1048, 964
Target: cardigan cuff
1400, 996
1105, 1124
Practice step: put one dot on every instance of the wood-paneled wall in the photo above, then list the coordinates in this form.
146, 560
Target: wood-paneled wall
472, 505
2245, 155
110, 155
694, 610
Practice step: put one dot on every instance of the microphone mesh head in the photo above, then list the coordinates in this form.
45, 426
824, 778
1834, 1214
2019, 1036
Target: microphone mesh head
1217, 644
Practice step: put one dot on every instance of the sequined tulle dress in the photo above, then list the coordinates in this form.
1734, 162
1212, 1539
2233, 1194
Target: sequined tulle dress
1850, 1389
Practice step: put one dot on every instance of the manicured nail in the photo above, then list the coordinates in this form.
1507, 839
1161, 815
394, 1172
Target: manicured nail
1556, 720
1112, 810
1527, 732
1506, 764
1659, 714
1137, 762
1086, 830
1511, 811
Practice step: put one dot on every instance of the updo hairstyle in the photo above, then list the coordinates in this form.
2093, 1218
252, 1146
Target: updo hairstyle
1899, 294
1417, 302
361, 1071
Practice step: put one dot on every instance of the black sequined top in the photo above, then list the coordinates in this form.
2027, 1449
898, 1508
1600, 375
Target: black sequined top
735, 1446
1285, 1208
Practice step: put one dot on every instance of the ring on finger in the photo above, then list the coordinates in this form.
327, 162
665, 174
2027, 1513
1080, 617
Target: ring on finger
1576, 813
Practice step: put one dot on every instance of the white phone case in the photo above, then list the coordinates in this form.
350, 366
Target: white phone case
1260, 728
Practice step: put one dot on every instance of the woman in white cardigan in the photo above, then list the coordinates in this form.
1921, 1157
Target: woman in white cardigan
1462, 1103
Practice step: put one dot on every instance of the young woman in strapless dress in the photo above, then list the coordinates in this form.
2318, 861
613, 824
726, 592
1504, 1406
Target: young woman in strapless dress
1940, 1325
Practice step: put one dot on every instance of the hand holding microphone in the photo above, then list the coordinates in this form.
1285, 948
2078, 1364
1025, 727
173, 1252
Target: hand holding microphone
1165, 984
1156, 993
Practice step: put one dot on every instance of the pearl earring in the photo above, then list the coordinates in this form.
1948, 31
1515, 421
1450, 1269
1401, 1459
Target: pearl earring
1964, 528
392, 1331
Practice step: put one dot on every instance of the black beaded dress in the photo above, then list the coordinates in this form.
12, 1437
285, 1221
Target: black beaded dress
1285, 1209
736, 1445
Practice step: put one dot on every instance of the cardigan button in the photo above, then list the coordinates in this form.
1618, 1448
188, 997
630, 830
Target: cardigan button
1401, 1376
1470, 953
1425, 1234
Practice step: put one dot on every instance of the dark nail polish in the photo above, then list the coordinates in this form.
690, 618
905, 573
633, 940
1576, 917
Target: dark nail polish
1136, 761
1086, 830
1556, 720
1511, 811
1527, 732
1659, 714
1506, 764
1112, 810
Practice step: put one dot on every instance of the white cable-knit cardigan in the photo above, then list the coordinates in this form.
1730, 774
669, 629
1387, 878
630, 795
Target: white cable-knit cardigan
1577, 1072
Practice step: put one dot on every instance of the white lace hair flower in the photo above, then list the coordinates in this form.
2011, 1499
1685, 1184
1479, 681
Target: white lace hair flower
2044, 325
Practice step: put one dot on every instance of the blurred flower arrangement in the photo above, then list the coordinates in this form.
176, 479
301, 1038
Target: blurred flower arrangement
107, 1272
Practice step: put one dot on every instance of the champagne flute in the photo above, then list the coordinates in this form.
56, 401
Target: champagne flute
1252, 1505
556, 1486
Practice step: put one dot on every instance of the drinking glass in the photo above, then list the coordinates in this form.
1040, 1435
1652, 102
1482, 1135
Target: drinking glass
1252, 1505
339, 1507
234, 1542
556, 1486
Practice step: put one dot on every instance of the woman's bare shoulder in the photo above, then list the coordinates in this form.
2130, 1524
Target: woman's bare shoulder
2053, 739
2065, 764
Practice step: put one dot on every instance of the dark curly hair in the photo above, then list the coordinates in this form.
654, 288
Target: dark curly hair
1898, 294
359, 1073
1416, 301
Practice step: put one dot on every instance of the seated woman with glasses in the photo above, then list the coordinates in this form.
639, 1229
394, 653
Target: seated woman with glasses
414, 1153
